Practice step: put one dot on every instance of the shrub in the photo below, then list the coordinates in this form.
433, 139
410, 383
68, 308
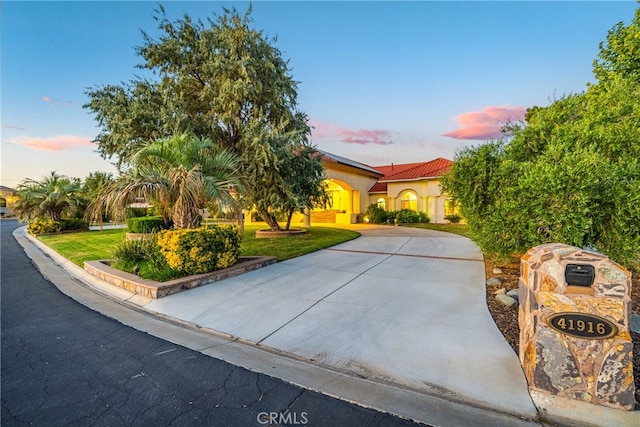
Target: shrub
408, 216
145, 224
376, 214
135, 251
73, 224
144, 254
454, 219
43, 226
137, 212
200, 250
47, 226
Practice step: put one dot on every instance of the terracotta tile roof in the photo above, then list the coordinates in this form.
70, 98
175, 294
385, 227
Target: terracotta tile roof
414, 171
390, 173
378, 187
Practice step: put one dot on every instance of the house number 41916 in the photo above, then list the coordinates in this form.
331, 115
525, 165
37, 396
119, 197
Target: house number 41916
582, 325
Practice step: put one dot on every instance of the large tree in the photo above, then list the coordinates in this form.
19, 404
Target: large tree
222, 80
570, 173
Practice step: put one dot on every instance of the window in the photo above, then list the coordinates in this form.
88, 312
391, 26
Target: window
409, 201
451, 207
382, 203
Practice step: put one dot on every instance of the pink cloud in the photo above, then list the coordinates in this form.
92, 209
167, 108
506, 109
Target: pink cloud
350, 136
54, 143
485, 124
56, 101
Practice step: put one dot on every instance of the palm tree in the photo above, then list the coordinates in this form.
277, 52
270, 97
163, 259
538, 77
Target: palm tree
52, 197
180, 174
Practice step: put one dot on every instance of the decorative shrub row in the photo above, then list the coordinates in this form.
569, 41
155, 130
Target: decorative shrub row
200, 250
377, 215
73, 224
145, 224
408, 216
47, 226
44, 226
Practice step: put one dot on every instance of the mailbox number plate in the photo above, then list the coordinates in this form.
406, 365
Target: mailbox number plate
582, 325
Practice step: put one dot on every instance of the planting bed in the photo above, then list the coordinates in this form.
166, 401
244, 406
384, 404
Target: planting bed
153, 289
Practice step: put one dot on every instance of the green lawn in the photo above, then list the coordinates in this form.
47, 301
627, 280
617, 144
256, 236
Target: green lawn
85, 246
94, 245
284, 248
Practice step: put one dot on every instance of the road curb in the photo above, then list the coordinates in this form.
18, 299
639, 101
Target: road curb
439, 408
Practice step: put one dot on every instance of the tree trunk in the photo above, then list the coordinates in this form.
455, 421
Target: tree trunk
269, 219
185, 215
291, 211
239, 219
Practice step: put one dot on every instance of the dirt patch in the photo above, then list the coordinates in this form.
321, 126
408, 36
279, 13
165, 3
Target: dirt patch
506, 318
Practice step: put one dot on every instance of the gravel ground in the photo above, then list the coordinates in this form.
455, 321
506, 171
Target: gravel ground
506, 318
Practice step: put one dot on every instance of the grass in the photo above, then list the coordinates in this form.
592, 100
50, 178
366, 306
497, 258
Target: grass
284, 248
86, 245
94, 245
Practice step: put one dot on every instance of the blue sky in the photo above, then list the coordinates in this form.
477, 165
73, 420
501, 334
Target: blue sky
381, 82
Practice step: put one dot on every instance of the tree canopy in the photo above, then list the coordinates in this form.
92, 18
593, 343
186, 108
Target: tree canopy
570, 172
179, 174
220, 79
53, 197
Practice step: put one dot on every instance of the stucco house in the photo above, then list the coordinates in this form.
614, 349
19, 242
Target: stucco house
415, 186
354, 186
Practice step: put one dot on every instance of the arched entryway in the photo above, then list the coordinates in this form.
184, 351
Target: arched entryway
344, 203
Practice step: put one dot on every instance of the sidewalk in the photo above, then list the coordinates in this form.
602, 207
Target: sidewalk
395, 320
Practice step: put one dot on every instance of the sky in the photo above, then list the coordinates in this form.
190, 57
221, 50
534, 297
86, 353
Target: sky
381, 82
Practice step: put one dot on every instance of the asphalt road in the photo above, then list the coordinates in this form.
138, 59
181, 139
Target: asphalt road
64, 364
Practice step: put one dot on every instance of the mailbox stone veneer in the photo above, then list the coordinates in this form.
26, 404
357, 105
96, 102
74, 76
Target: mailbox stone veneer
598, 371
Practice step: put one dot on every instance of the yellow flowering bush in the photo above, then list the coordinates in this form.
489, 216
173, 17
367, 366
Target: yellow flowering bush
200, 250
43, 226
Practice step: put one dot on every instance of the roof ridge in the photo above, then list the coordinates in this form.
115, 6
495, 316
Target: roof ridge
418, 170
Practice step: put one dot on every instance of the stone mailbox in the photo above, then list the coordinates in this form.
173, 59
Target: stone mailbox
574, 326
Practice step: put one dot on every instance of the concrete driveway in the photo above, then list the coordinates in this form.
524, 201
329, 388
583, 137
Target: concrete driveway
398, 305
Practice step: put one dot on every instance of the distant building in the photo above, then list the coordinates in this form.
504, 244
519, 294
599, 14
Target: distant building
7, 199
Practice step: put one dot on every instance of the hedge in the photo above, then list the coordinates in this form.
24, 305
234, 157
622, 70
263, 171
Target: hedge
145, 224
48, 226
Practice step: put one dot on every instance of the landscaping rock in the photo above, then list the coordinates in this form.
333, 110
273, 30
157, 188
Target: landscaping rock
506, 300
635, 323
497, 270
494, 281
500, 291
514, 293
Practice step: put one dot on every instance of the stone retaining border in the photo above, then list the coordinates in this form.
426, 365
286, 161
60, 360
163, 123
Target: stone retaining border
153, 289
261, 234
